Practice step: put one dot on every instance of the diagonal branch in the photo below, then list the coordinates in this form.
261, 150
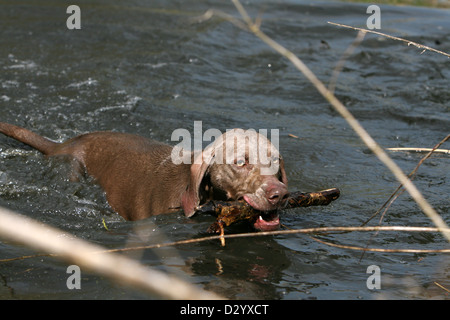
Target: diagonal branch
116, 267
351, 120
418, 45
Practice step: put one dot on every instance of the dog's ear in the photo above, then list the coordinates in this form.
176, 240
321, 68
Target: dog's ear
191, 197
283, 172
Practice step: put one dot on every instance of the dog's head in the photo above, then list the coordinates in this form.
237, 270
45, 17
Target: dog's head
242, 164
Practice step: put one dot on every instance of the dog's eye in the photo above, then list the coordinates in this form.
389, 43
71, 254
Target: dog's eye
240, 162
275, 160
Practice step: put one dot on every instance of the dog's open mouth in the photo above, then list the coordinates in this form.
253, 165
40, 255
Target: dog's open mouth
267, 221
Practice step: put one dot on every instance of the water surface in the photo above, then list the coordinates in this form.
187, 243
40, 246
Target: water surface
150, 68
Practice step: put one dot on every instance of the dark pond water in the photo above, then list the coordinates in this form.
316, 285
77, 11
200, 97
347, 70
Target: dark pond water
147, 68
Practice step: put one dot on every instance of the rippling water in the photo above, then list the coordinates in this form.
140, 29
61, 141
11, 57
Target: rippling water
150, 68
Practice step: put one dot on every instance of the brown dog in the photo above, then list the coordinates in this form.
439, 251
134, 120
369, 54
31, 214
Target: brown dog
141, 178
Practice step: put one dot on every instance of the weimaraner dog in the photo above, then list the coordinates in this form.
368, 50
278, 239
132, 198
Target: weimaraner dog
141, 178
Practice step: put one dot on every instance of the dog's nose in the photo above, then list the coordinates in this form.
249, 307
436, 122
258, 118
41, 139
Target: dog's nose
277, 195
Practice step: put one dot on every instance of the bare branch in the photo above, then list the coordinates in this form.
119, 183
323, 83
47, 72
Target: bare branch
409, 42
381, 249
446, 151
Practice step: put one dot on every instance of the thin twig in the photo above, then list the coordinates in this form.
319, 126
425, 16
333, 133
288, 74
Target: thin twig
441, 286
320, 230
399, 191
410, 176
381, 249
408, 42
446, 151
351, 120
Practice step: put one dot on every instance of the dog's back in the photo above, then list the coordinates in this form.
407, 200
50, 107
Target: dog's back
136, 173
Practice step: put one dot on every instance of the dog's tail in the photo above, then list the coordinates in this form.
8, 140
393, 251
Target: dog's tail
28, 137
